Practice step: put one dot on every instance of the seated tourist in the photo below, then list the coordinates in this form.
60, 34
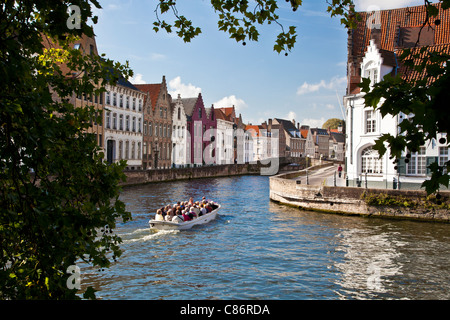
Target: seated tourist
169, 215
177, 218
202, 210
192, 213
159, 216
186, 216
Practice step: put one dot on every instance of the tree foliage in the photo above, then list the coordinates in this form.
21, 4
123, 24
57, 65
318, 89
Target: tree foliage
59, 201
241, 18
333, 123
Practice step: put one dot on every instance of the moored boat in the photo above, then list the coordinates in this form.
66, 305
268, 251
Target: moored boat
185, 225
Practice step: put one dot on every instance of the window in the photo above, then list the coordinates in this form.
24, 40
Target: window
371, 162
134, 125
127, 123
115, 99
114, 124
121, 101
134, 103
139, 125
127, 102
140, 105
443, 157
417, 163
150, 129
160, 112
371, 72
370, 121
145, 127
108, 120
139, 151
127, 150
156, 129
179, 113
121, 122
199, 113
120, 150
108, 99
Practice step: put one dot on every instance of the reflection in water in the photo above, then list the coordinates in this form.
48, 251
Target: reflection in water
257, 249
370, 258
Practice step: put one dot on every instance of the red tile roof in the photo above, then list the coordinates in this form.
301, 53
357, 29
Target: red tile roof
399, 28
153, 91
253, 130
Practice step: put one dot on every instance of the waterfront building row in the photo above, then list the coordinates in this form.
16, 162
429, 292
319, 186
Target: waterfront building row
143, 125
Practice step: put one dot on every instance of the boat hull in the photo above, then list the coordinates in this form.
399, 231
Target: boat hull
166, 225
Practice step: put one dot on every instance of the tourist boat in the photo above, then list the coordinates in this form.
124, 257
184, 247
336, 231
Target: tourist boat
166, 225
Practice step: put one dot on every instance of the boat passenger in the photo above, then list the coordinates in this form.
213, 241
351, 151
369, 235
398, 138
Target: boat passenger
208, 208
193, 213
196, 210
203, 210
177, 219
186, 216
159, 216
191, 200
169, 215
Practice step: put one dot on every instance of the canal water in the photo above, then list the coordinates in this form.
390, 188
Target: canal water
257, 249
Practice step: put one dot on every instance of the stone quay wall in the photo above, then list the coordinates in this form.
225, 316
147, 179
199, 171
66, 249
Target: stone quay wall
398, 204
137, 177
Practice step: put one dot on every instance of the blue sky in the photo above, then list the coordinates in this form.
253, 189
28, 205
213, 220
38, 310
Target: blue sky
307, 85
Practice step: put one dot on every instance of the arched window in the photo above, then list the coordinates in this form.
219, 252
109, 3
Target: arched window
371, 72
179, 113
371, 162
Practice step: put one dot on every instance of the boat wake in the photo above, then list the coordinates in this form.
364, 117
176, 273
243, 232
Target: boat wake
146, 237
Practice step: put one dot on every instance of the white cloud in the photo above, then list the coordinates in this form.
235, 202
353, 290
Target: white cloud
185, 90
230, 101
157, 56
330, 106
291, 116
334, 83
370, 5
313, 123
137, 79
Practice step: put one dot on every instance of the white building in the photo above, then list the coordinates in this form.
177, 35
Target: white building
123, 124
179, 135
309, 143
372, 53
224, 138
365, 125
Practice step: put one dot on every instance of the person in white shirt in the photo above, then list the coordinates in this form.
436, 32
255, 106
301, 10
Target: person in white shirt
169, 215
159, 216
